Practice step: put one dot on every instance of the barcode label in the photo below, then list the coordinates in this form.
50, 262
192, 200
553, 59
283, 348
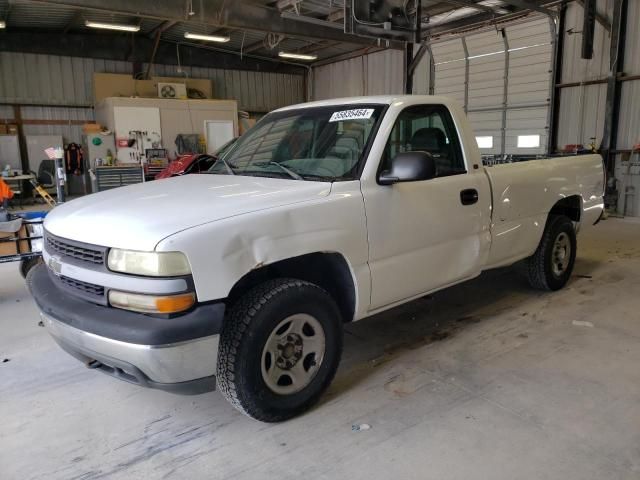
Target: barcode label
356, 114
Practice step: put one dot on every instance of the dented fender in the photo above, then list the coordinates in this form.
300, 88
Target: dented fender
224, 251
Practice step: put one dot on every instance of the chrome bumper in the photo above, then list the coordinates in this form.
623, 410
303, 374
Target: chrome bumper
161, 364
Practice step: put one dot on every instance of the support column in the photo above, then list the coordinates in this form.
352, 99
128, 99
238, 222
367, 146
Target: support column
408, 70
556, 77
616, 66
505, 98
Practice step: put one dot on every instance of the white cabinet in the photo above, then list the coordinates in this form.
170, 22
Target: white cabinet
168, 118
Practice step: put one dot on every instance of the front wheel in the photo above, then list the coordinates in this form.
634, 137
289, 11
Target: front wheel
550, 267
279, 349
28, 264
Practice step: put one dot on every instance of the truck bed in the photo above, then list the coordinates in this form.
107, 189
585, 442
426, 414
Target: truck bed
524, 192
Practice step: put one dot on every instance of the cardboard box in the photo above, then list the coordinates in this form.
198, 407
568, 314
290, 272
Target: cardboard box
10, 248
91, 127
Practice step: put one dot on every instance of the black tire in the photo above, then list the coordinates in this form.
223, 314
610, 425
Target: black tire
28, 264
250, 323
541, 272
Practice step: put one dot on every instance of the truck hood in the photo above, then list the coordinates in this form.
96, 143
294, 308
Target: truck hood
137, 217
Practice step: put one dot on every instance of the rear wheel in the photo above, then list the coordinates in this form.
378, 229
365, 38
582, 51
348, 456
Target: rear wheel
550, 267
279, 349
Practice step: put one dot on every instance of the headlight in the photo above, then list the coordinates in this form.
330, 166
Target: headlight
154, 264
151, 303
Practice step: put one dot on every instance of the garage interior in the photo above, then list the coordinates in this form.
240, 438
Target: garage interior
486, 379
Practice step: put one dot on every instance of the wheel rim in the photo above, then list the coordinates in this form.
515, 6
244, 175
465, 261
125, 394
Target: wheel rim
293, 354
561, 254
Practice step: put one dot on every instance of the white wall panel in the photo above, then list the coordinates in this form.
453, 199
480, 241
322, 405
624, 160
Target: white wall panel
629, 124
339, 79
574, 68
421, 76
385, 72
378, 73
582, 107
581, 115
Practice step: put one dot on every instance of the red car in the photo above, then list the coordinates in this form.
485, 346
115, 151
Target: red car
195, 163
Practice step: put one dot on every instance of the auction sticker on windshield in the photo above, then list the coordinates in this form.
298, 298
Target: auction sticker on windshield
356, 114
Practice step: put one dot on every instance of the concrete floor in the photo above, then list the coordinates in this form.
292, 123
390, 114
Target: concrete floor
488, 380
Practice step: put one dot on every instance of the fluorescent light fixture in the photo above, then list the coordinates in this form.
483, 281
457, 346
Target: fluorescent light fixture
113, 26
485, 142
207, 38
2, 24
528, 141
297, 56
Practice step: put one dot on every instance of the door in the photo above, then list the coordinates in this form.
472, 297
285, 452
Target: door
428, 234
218, 133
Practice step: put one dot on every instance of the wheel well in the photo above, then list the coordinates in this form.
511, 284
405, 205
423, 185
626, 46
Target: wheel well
327, 270
569, 207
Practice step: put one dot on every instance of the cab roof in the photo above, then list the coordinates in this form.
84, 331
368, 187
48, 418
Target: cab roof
381, 99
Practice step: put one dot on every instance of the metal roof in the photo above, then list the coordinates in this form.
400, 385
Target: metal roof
69, 17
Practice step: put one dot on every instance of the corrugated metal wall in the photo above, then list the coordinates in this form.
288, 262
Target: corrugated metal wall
582, 107
629, 123
581, 115
373, 74
55, 80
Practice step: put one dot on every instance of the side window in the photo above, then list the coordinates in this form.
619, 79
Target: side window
426, 128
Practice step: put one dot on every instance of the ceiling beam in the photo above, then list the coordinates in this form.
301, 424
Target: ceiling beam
162, 27
472, 21
115, 47
316, 47
335, 16
530, 5
347, 56
252, 47
477, 6
222, 13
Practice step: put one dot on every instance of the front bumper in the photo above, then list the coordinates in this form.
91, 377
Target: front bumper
175, 354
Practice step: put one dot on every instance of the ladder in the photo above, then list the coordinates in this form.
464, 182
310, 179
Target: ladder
43, 193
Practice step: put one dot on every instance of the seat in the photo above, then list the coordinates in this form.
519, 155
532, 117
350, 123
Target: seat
46, 176
433, 140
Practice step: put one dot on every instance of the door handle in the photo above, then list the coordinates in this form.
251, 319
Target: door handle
469, 196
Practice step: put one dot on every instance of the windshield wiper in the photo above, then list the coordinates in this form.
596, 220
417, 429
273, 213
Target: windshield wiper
291, 173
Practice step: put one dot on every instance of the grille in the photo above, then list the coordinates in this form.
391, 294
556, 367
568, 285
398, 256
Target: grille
84, 287
85, 254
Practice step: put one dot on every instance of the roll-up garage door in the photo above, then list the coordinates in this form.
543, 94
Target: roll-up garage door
486, 88
449, 58
529, 82
503, 79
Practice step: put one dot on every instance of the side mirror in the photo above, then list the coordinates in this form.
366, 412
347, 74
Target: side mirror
409, 167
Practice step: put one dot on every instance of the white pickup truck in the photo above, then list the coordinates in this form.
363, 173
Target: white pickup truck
323, 213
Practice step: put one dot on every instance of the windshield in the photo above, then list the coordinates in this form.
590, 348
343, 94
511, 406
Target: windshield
319, 143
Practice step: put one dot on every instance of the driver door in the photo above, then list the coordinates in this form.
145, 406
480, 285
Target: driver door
425, 235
